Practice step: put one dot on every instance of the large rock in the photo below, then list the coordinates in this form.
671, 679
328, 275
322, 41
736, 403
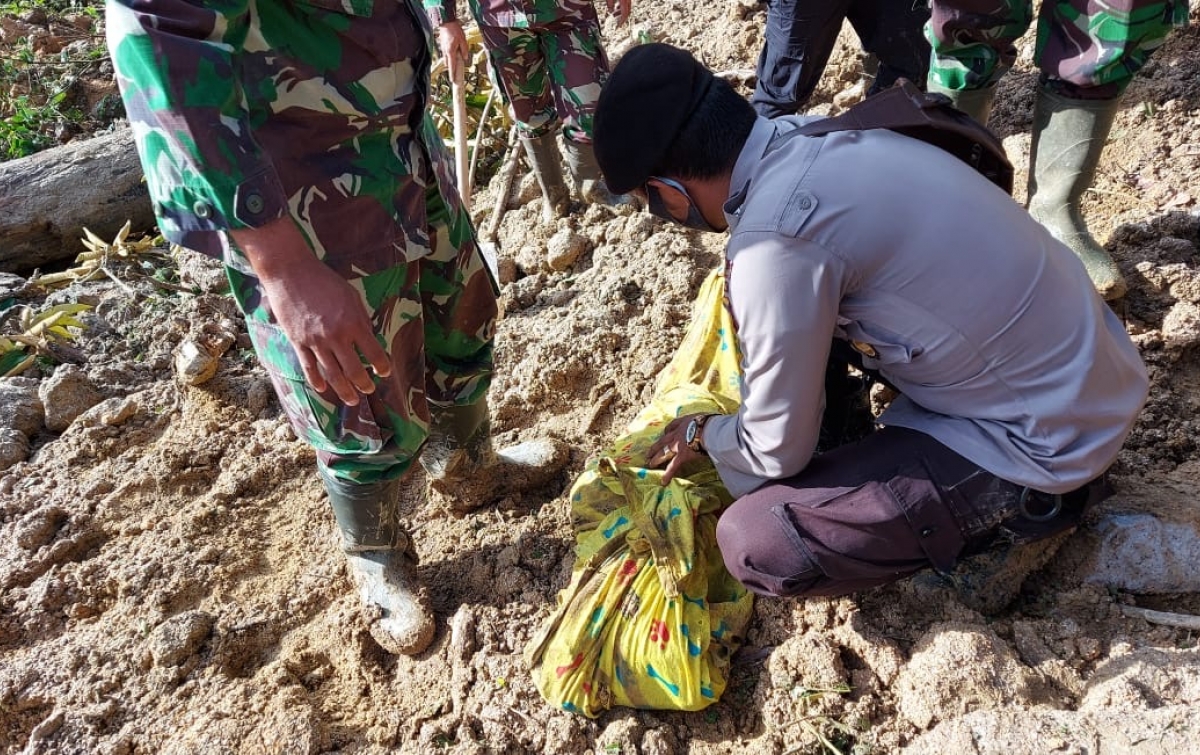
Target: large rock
67, 394
20, 407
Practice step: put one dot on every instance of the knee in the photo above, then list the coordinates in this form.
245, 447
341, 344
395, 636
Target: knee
760, 554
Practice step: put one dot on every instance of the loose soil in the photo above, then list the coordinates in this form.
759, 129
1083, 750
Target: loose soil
169, 580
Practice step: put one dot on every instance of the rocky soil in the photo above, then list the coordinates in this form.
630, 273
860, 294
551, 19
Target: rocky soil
169, 581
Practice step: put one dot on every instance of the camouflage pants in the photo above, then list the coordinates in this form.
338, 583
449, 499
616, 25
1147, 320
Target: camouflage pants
369, 184
550, 73
1085, 49
435, 316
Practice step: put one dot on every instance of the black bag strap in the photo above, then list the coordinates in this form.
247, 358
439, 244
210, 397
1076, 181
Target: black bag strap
929, 117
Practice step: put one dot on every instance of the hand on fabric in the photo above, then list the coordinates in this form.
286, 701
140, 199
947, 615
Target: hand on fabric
672, 450
322, 315
620, 9
452, 41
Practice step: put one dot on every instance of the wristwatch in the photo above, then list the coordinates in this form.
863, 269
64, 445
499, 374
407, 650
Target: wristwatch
691, 435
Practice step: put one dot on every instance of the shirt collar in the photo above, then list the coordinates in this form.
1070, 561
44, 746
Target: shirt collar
761, 136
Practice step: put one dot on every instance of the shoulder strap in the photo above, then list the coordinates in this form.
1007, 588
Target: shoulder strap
930, 118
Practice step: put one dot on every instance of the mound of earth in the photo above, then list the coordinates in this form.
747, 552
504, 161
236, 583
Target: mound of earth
169, 580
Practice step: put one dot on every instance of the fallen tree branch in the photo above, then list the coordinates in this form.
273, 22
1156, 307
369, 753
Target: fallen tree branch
1181, 620
507, 174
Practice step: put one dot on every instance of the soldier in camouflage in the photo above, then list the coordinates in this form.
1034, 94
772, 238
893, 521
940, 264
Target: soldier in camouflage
289, 139
550, 66
1088, 53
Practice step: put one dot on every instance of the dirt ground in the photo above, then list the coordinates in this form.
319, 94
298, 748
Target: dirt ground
169, 581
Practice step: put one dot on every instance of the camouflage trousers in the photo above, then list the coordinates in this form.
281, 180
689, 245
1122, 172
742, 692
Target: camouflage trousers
550, 73
1085, 49
434, 315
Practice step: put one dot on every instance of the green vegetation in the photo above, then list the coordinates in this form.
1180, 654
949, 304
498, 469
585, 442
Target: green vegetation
40, 102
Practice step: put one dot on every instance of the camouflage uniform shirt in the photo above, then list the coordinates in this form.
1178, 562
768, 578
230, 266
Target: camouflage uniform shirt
509, 14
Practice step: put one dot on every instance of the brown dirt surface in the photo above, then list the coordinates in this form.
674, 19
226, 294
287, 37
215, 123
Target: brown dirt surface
169, 581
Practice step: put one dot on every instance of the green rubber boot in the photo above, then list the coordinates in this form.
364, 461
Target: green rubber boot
976, 103
1068, 138
378, 555
466, 472
589, 181
546, 164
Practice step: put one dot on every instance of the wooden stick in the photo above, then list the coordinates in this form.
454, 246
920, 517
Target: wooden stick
462, 170
507, 174
1181, 620
487, 110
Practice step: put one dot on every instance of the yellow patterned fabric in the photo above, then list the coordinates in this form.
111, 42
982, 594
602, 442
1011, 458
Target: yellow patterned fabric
651, 616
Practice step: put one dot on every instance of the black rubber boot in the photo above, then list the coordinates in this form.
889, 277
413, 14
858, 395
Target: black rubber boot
546, 164
466, 472
976, 103
1068, 139
377, 554
589, 181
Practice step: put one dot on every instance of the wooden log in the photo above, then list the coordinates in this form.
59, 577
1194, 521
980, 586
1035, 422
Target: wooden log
47, 199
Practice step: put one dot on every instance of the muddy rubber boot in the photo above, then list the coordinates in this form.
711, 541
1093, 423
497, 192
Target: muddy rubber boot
1068, 138
976, 103
378, 556
546, 164
589, 181
466, 472
990, 581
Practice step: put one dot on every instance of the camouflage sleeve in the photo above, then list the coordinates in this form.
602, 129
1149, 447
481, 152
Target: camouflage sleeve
440, 11
175, 62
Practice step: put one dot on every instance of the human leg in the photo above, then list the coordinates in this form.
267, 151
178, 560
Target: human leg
458, 298
1085, 68
797, 42
973, 45
578, 70
875, 512
893, 31
523, 77
365, 449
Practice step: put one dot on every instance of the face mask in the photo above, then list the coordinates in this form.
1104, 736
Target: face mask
657, 206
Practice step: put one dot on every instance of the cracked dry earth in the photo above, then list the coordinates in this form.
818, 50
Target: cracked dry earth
169, 581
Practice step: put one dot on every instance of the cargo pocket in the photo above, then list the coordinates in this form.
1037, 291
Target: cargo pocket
871, 535
326, 425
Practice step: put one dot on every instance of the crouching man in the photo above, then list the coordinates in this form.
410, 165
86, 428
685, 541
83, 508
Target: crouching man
1016, 384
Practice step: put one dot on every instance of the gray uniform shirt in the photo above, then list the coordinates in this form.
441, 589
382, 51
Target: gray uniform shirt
989, 327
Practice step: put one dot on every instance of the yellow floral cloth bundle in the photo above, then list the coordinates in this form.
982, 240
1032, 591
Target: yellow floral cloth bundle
651, 616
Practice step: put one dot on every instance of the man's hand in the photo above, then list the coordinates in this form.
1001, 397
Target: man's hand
672, 450
620, 9
322, 315
452, 41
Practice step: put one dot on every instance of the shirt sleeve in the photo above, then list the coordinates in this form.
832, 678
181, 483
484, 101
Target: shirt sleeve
176, 63
440, 11
784, 295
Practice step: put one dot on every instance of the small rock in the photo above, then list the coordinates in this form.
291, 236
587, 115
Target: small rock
20, 407
463, 642
65, 395
849, 95
194, 364
506, 270
109, 413
177, 638
1181, 325
14, 447
10, 284
197, 270
39, 527
564, 249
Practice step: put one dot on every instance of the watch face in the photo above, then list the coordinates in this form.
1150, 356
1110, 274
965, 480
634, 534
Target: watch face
689, 436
